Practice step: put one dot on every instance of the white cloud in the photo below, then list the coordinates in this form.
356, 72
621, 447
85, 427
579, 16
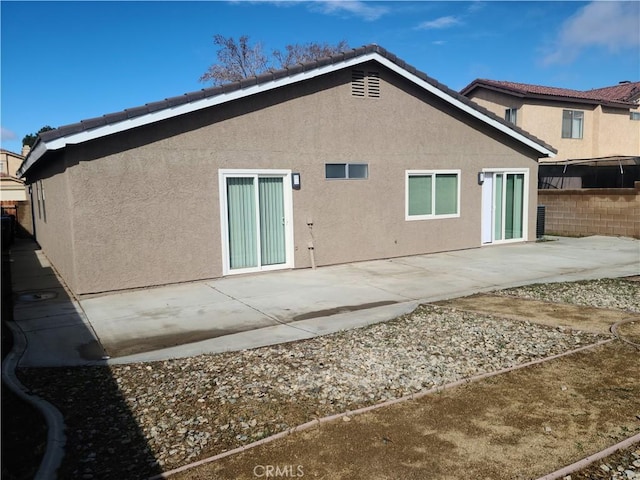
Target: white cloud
358, 8
610, 25
6, 134
476, 6
439, 23
367, 11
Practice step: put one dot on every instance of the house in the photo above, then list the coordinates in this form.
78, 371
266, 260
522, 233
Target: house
13, 194
353, 157
12, 189
596, 132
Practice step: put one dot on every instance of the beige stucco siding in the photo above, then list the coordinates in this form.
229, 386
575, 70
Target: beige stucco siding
54, 219
146, 202
607, 131
617, 133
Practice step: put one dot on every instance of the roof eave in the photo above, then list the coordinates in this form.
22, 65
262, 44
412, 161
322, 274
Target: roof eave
542, 96
252, 87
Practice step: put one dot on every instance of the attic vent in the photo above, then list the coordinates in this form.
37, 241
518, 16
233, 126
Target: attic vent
373, 84
357, 83
365, 85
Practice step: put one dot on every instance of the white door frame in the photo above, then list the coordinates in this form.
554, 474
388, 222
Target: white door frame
488, 206
287, 194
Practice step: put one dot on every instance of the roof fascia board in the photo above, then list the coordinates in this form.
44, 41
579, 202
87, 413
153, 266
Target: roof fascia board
507, 91
39, 150
196, 105
166, 113
466, 108
545, 96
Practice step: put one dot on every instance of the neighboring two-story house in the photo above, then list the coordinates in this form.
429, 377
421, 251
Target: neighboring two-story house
596, 132
11, 187
13, 193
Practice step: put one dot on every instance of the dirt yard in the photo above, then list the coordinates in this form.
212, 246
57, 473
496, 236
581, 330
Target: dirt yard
518, 425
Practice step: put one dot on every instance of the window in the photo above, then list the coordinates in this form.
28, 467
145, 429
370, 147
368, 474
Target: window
634, 115
572, 121
511, 115
346, 170
432, 194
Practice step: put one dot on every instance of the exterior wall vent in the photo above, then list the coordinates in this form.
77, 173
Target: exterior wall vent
357, 83
373, 84
365, 84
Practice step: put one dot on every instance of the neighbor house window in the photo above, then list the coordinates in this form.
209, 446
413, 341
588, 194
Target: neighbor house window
635, 116
572, 123
432, 194
511, 115
346, 170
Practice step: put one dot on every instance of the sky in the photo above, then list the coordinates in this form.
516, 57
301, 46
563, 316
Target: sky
62, 62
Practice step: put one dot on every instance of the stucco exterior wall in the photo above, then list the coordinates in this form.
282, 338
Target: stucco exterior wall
617, 133
10, 162
54, 220
606, 131
146, 202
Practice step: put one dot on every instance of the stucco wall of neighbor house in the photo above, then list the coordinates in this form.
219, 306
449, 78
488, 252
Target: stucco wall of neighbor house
607, 131
146, 202
10, 162
54, 219
618, 134
597, 211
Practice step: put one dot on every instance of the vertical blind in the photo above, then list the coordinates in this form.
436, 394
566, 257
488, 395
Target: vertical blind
420, 195
272, 228
256, 232
425, 198
513, 216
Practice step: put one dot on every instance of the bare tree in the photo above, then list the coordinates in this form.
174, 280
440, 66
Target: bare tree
240, 59
297, 53
236, 60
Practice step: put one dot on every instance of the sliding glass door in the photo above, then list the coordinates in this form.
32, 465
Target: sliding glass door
256, 221
504, 209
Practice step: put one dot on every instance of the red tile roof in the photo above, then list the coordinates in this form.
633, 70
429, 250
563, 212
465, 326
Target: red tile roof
622, 94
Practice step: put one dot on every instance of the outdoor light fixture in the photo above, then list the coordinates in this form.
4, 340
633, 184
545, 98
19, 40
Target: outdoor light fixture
480, 178
295, 181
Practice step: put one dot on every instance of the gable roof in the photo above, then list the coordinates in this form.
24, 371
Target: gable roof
621, 95
190, 102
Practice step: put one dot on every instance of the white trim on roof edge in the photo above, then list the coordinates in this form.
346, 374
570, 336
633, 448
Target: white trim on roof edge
166, 113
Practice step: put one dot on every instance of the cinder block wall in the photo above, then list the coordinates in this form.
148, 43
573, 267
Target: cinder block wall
592, 211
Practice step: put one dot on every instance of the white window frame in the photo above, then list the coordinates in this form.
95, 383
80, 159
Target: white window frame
223, 174
433, 174
634, 115
525, 204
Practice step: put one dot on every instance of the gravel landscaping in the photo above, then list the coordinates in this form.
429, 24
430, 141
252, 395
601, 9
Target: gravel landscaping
603, 293
136, 420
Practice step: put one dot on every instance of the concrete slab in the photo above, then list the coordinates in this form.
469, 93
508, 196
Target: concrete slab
248, 311
63, 345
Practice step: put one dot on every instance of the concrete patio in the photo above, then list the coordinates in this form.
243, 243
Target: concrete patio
239, 312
